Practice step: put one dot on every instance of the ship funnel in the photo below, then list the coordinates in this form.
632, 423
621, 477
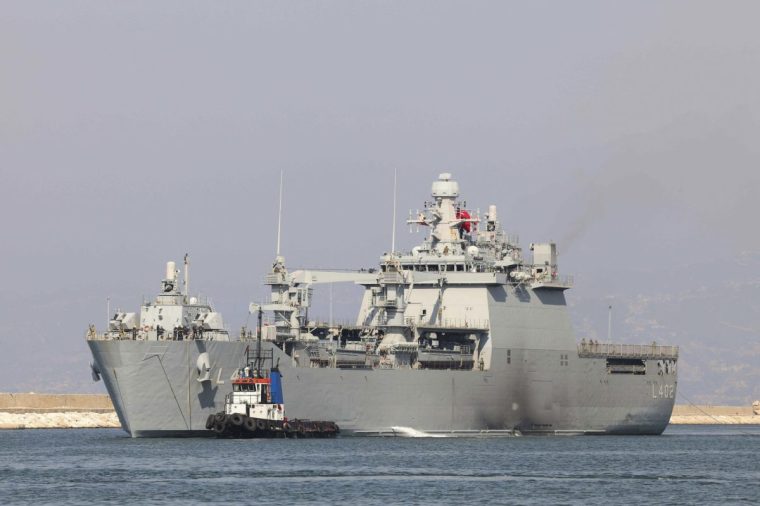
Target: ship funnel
171, 270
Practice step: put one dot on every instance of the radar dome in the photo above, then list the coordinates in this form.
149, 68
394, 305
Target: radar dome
445, 187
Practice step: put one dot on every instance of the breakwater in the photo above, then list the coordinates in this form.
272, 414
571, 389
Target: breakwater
56, 411
714, 415
63, 411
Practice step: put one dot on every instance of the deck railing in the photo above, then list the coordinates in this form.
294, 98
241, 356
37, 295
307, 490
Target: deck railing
152, 335
392, 277
274, 279
560, 281
449, 323
595, 349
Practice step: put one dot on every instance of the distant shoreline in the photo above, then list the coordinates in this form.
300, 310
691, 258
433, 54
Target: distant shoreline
78, 411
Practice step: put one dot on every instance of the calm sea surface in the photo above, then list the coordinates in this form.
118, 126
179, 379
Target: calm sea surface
707, 464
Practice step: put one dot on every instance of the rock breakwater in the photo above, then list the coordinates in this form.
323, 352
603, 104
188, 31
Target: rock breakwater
56, 411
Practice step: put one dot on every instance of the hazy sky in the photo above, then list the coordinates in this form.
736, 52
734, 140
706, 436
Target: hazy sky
133, 132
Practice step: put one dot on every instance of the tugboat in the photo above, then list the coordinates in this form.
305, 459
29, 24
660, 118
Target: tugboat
255, 408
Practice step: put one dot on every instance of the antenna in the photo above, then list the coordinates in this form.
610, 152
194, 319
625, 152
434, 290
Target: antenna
187, 274
609, 324
279, 217
393, 235
108, 312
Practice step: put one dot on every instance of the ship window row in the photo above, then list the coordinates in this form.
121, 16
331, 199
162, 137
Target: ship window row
432, 267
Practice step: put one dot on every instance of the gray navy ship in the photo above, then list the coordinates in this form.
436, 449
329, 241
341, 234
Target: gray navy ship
463, 335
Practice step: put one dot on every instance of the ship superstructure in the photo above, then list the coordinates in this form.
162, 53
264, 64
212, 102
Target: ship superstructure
461, 335
172, 315
423, 309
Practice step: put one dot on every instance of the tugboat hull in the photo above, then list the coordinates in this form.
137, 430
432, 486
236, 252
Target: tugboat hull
241, 426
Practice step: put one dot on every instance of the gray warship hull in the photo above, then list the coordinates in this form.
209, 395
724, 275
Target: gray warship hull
462, 335
155, 393
541, 389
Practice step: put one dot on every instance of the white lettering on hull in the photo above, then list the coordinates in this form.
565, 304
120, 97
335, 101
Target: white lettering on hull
660, 391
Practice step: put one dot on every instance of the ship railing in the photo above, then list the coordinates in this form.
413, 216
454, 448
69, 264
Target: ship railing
384, 302
274, 279
200, 300
152, 335
459, 349
648, 351
391, 278
450, 323
114, 336
126, 335
564, 281
336, 323
441, 324
95, 336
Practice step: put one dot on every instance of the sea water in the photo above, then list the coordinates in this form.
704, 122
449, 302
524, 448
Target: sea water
688, 464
